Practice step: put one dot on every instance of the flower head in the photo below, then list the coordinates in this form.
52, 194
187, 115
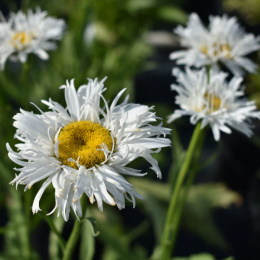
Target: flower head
223, 41
32, 33
84, 148
217, 103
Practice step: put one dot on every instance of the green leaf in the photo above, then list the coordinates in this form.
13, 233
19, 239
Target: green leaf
87, 244
137, 5
93, 226
201, 201
172, 14
109, 254
202, 256
147, 187
114, 239
214, 195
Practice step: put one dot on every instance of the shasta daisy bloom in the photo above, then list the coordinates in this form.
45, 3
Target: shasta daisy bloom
217, 103
32, 33
223, 41
85, 148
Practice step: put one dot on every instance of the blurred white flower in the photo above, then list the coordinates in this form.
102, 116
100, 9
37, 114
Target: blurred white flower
84, 148
98, 31
32, 33
223, 41
89, 33
217, 103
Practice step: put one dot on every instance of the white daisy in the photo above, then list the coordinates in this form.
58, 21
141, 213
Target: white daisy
223, 41
32, 33
217, 103
85, 148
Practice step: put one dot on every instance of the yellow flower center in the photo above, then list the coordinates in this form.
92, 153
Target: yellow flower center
83, 139
213, 102
21, 39
225, 49
204, 49
219, 49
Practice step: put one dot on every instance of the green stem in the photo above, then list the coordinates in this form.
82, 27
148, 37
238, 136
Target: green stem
177, 215
183, 197
170, 229
74, 237
178, 155
208, 67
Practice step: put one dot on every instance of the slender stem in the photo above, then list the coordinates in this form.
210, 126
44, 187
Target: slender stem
208, 67
74, 237
170, 229
191, 176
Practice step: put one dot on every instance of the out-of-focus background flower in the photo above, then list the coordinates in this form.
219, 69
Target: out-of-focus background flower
130, 42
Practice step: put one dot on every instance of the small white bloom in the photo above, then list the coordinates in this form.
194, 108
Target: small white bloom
217, 103
223, 41
84, 148
32, 33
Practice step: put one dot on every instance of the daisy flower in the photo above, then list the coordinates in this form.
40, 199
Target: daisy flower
85, 148
217, 103
223, 41
32, 33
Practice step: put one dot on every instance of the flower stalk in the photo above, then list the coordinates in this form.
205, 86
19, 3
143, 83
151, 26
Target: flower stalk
75, 234
73, 239
171, 226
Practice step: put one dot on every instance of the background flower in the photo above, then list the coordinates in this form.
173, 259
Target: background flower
223, 41
34, 33
214, 101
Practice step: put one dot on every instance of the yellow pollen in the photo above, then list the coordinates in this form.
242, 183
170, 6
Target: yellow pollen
20, 38
218, 49
204, 49
226, 50
82, 139
213, 101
